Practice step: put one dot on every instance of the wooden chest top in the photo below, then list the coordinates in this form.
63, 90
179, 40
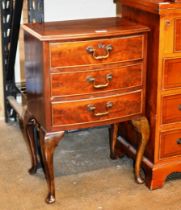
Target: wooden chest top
83, 29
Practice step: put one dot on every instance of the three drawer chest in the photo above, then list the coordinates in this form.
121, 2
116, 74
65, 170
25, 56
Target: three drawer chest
81, 74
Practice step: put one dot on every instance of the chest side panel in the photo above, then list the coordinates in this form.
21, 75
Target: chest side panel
34, 77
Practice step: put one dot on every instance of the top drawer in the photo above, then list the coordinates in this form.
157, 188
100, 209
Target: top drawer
96, 51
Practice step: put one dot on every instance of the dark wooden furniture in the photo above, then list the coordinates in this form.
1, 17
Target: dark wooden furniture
82, 74
163, 98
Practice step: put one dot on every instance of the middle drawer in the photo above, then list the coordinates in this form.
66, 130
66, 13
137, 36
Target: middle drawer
88, 82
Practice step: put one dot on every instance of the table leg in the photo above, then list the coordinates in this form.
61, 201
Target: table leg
27, 124
115, 149
48, 143
142, 126
113, 130
29, 129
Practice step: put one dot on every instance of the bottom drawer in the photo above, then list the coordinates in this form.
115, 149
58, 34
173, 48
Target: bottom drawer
170, 143
96, 110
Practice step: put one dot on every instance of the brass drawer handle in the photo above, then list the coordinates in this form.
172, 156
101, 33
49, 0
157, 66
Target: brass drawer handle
91, 79
179, 141
92, 108
92, 51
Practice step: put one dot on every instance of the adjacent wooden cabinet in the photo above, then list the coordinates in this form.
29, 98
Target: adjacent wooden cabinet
163, 98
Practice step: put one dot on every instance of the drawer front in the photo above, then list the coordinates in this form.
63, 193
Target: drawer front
172, 73
96, 110
171, 109
96, 51
87, 82
170, 143
177, 35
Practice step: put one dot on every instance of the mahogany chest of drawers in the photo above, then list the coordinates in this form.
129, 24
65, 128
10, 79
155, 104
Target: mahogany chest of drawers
82, 74
163, 98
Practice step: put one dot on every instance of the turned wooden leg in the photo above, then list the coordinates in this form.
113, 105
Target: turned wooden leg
48, 143
142, 126
29, 129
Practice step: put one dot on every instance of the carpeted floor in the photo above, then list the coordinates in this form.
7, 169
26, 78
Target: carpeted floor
86, 179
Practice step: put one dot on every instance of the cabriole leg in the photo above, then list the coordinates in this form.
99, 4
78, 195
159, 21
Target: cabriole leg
142, 126
48, 143
115, 147
29, 129
27, 124
113, 130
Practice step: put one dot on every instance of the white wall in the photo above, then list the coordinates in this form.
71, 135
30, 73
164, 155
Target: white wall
77, 9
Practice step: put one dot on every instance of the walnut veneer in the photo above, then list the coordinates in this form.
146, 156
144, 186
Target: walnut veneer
163, 98
82, 74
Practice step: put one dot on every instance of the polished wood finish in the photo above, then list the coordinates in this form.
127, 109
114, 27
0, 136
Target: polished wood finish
68, 54
177, 35
172, 73
142, 127
163, 85
152, 6
170, 143
171, 111
84, 29
89, 81
29, 127
48, 143
113, 132
39, 91
90, 75
96, 110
